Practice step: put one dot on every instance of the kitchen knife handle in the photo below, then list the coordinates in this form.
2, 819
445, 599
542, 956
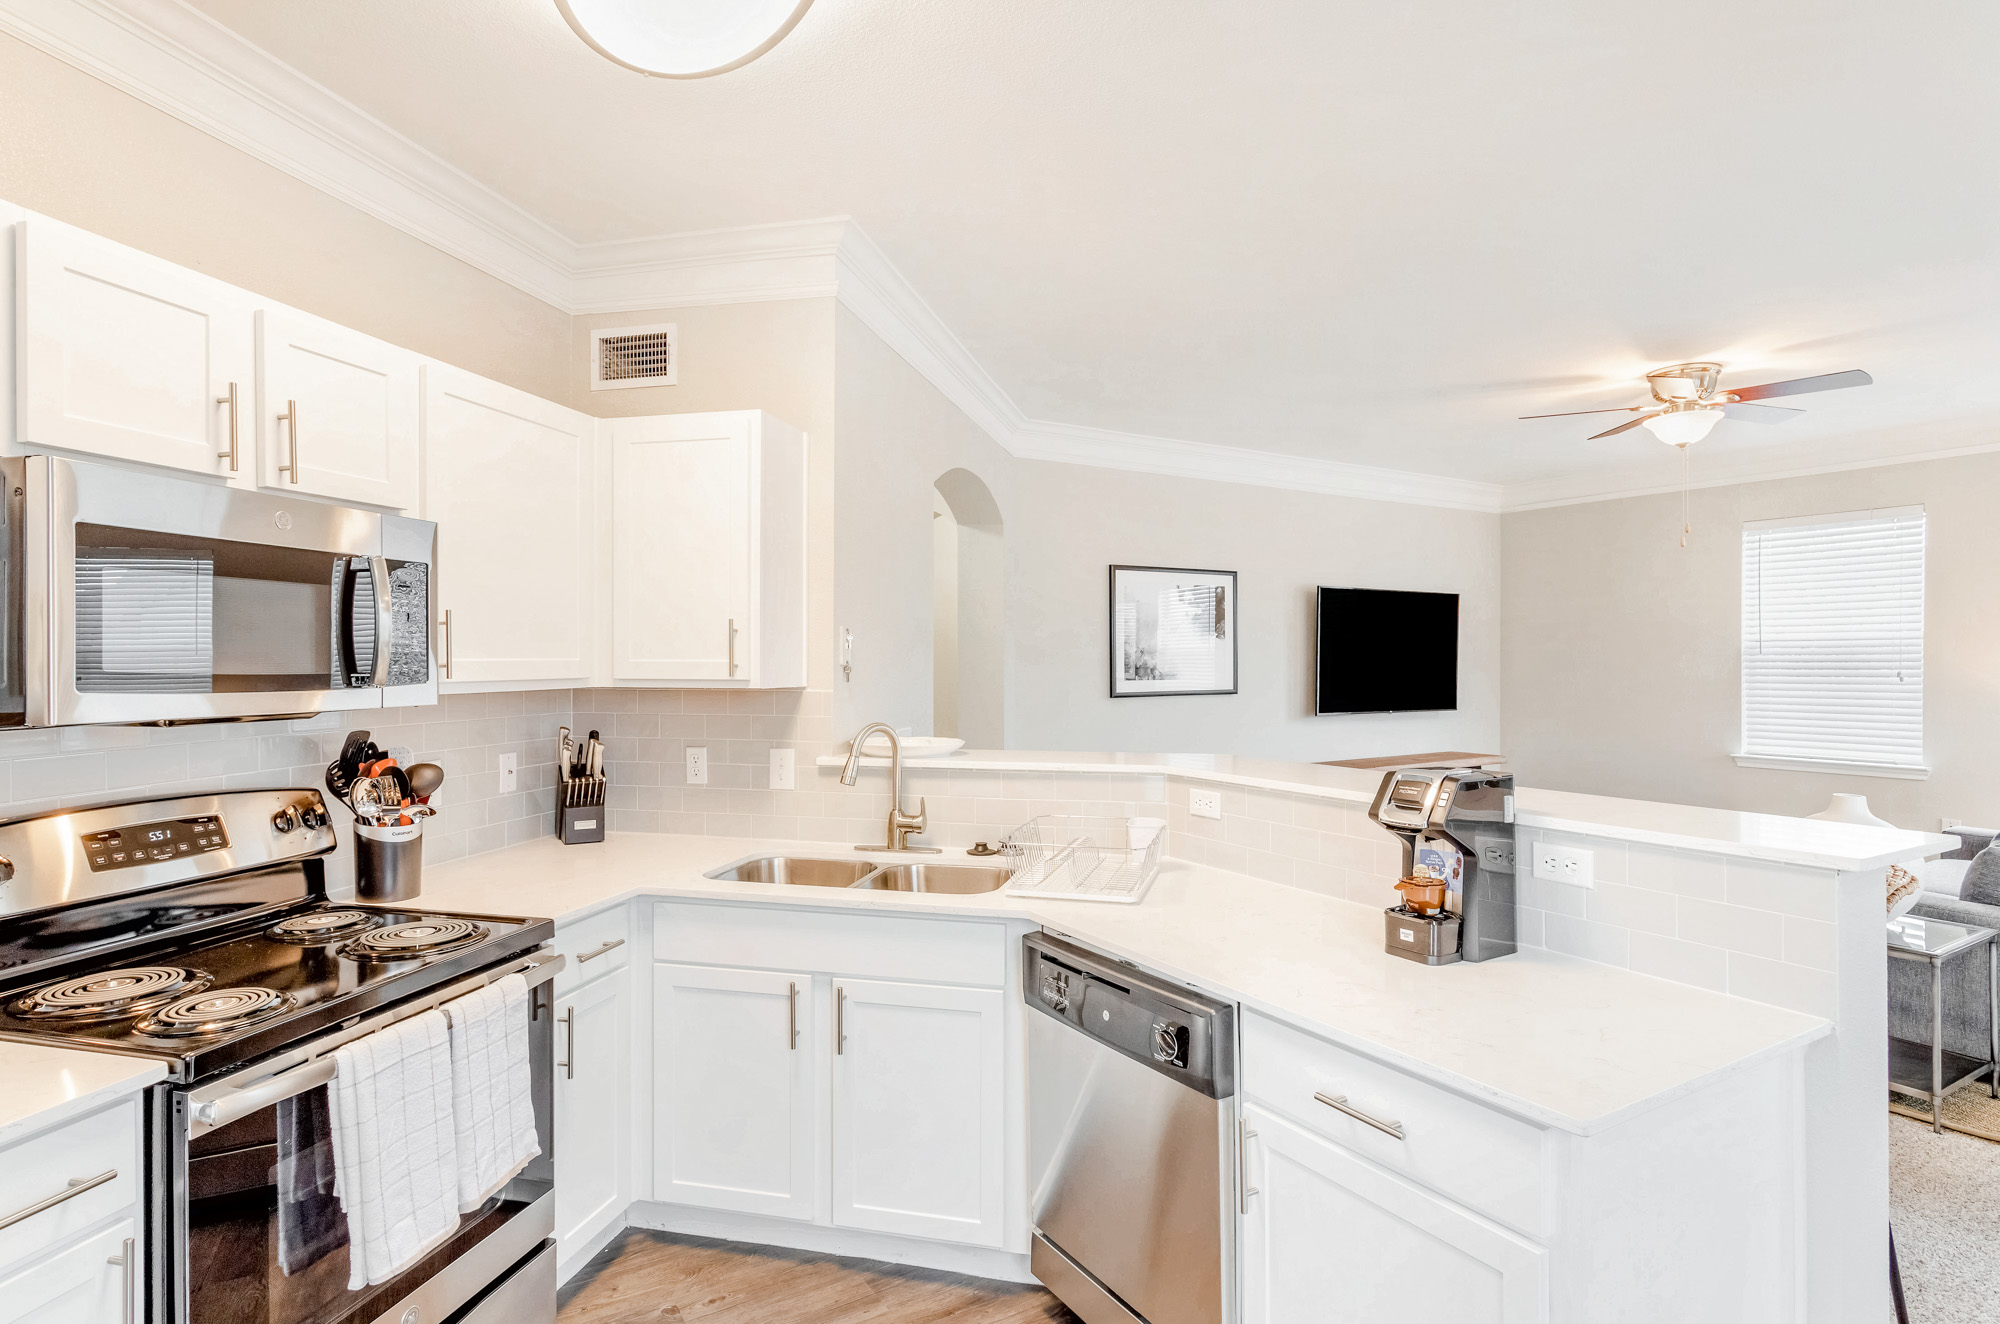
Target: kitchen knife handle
290, 418
230, 400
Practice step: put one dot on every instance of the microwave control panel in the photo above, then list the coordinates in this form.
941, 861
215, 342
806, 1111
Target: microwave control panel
153, 843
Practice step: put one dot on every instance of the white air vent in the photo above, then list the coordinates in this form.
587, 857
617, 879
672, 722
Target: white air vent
624, 356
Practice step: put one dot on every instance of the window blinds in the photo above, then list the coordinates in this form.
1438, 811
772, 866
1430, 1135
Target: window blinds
1833, 638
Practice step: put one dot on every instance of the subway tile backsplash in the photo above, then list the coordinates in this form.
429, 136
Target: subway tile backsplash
1760, 931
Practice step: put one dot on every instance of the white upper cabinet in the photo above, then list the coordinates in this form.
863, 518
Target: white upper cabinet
708, 550
508, 478
337, 412
124, 355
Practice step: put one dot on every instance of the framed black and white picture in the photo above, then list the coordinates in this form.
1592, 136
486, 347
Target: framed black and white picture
1172, 631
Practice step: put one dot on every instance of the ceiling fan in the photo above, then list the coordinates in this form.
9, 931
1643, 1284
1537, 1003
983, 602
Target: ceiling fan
1687, 403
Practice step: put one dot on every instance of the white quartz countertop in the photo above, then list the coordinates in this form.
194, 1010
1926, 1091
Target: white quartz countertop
1772, 837
42, 1087
1565, 1042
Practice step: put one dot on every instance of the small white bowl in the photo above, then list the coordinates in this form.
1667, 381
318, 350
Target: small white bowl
914, 747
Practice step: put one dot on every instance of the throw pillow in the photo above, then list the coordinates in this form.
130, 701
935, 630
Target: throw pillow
1982, 878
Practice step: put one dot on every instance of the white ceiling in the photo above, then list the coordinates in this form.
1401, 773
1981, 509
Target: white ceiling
1362, 232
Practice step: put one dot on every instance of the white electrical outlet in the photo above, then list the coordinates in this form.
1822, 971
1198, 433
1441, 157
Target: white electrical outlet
1204, 804
697, 757
510, 772
781, 770
1564, 864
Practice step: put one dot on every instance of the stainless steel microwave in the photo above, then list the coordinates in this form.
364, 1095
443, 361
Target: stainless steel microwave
137, 598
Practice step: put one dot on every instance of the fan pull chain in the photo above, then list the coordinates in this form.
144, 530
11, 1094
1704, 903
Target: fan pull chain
1686, 525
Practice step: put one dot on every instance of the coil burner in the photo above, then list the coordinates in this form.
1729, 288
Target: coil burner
110, 996
405, 942
323, 926
213, 1013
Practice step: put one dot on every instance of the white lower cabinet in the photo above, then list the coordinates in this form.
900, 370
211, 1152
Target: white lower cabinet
592, 1095
1331, 1238
86, 1284
919, 1096
733, 1089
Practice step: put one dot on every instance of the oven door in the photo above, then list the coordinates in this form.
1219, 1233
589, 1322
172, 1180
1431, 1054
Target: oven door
250, 1232
155, 599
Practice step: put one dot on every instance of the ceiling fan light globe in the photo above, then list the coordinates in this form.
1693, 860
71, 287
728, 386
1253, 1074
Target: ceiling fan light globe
1683, 424
682, 38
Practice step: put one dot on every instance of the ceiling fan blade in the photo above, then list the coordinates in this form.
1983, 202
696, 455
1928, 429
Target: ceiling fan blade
1832, 381
1760, 413
1574, 412
1622, 427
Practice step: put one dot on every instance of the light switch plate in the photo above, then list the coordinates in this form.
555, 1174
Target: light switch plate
510, 772
697, 765
1204, 803
781, 770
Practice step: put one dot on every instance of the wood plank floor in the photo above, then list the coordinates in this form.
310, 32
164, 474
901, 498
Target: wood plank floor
653, 1276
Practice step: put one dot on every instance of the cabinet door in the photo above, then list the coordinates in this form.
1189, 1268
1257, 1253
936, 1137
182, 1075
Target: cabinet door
1332, 1239
86, 1284
918, 1104
337, 412
593, 1088
683, 533
507, 478
733, 1089
125, 355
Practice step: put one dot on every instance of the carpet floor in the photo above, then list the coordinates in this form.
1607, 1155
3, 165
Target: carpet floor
1944, 1202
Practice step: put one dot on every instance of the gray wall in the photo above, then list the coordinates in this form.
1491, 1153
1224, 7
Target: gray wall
1622, 650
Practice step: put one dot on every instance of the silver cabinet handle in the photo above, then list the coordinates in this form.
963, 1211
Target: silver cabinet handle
230, 400
1339, 1103
792, 1023
839, 1020
290, 418
1244, 1135
77, 1186
568, 1064
600, 950
447, 643
127, 1260
732, 645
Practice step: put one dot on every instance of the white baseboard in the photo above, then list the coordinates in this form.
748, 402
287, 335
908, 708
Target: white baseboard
569, 1261
756, 1229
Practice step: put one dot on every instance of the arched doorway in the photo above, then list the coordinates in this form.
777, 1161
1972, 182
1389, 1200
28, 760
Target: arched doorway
968, 612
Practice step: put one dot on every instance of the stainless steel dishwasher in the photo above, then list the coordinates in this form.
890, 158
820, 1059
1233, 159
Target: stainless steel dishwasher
1131, 1140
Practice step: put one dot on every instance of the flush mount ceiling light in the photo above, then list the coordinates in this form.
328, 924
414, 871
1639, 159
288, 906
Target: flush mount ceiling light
682, 38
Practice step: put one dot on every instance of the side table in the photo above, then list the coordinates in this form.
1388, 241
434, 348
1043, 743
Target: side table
1931, 1070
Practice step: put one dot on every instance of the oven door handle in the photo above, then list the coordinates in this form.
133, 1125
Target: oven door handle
313, 1065
385, 619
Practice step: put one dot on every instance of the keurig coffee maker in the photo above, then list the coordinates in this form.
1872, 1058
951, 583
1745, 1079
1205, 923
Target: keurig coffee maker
1457, 830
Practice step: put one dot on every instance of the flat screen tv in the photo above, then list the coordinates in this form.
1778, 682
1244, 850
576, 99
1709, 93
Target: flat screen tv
1383, 651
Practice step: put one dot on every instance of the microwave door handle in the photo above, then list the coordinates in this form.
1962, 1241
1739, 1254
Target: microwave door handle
385, 619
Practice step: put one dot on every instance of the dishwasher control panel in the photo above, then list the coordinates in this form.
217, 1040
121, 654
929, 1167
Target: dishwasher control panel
1168, 1027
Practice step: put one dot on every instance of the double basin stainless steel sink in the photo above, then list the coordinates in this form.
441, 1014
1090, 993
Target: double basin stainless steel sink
865, 875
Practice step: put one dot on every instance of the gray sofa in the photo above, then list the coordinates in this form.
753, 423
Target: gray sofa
1967, 1001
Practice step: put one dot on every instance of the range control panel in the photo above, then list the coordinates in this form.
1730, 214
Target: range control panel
152, 843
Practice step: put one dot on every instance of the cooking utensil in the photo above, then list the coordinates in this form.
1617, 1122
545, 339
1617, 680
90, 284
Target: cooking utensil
425, 779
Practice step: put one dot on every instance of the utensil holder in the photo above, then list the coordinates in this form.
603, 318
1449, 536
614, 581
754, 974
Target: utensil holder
388, 861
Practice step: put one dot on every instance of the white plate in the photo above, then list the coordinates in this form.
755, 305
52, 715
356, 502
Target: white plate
914, 747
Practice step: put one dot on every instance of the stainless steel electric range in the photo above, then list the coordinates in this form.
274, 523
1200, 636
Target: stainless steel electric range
197, 931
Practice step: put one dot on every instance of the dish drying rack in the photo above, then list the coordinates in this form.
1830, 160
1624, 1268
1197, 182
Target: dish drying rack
1083, 858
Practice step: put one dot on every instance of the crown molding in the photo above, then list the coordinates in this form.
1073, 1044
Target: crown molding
178, 60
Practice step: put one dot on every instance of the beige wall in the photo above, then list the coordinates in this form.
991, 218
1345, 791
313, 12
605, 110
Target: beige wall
1622, 650
79, 150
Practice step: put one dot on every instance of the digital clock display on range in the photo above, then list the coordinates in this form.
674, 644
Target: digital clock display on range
153, 843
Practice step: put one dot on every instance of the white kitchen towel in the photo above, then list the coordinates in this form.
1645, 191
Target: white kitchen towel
395, 1150
492, 1104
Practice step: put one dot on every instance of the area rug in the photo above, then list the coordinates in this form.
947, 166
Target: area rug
1971, 1110
1944, 1202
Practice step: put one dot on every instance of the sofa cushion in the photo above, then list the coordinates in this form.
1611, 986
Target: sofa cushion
1982, 879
